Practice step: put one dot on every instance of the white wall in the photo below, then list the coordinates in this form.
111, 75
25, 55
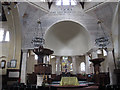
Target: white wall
7, 48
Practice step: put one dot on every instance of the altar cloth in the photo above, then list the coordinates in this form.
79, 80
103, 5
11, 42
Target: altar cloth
66, 81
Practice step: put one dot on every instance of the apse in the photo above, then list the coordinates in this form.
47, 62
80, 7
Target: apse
67, 38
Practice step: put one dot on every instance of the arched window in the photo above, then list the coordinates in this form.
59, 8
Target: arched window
82, 66
36, 57
4, 35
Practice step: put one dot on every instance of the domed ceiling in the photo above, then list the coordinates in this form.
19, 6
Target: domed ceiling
67, 38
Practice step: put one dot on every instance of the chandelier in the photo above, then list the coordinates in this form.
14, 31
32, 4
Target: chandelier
102, 40
37, 40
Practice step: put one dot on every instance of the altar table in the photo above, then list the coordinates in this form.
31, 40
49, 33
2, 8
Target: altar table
66, 81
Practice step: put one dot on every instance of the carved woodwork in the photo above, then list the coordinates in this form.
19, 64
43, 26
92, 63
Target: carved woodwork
96, 63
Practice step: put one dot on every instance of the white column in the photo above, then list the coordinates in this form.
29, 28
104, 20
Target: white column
74, 64
23, 67
48, 59
58, 65
45, 60
111, 67
87, 68
53, 63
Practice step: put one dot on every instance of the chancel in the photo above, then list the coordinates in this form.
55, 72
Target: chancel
60, 45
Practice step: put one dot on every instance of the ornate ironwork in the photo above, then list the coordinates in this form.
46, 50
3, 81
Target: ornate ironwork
103, 40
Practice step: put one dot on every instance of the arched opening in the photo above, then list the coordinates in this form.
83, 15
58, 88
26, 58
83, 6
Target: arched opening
67, 38
82, 67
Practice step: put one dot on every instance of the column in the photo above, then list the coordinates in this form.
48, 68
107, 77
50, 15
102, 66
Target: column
53, 63
87, 66
111, 67
94, 55
45, 60
23, 67
74, 64
48, 59
58, 65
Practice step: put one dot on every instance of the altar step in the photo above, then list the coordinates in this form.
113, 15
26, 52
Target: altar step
33, 87
80, 82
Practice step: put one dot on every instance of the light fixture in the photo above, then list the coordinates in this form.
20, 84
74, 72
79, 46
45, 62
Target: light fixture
37, 40
102, 40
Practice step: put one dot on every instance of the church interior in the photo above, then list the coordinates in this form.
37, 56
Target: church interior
60, 45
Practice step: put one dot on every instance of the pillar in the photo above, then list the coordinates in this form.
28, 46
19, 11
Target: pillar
94, 55
45, 60
74, 64
111, 67
53, 63
58, 65
87, 66
23, 67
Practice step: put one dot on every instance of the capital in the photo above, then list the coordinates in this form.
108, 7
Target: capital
24, 50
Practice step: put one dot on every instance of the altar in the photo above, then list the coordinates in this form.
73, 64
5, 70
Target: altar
69, 81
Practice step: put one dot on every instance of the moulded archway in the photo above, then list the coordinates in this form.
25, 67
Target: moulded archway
67, 38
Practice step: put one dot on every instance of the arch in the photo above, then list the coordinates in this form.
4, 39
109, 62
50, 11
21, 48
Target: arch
63, 35
82, 66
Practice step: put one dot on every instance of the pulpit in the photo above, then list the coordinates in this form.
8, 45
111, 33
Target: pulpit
96, 63
42, 69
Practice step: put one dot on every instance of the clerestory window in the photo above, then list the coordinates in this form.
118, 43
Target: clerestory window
66, 2
4, 35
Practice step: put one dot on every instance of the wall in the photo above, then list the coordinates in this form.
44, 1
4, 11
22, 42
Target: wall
30, 64
8, 49
115, 31
79, 59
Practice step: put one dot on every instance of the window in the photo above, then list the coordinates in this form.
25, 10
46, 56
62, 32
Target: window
82, 66
56, 67
71, 67
4, 35
36, 57
52, 57
65, 2
104, 52
7, 36
1, 34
